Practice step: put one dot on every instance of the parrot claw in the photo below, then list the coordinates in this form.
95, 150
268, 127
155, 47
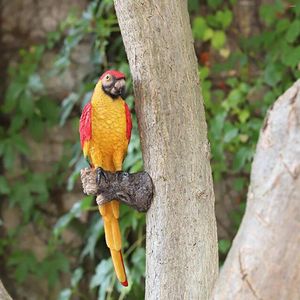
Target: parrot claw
100, 173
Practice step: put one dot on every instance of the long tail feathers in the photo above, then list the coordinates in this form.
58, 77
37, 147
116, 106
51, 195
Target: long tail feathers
110, 214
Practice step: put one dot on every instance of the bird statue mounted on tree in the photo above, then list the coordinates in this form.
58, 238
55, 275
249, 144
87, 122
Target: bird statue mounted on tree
105, 130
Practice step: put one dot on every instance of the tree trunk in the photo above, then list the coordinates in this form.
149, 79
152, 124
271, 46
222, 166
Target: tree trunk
181, 247
3, 293
264, 261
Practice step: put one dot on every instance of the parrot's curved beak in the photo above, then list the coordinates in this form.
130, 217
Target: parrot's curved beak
118, 88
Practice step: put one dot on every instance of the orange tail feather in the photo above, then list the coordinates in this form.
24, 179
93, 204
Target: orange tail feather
110, 214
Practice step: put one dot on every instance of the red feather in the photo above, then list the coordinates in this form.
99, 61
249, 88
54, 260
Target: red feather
114, 73
85, 124
128, 122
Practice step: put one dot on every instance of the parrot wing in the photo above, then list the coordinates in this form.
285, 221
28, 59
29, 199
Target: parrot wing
128, 122
85, 128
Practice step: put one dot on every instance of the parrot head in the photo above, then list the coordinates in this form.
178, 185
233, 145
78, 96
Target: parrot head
113, 83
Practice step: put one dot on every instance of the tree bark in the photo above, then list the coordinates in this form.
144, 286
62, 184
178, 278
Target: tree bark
181, 247
264, 261
3, 293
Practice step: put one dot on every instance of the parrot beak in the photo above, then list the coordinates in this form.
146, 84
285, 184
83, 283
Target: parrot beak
119, 88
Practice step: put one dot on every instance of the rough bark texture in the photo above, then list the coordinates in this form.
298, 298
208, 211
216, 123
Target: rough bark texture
264, 261
3, 293
181, 248
135, 190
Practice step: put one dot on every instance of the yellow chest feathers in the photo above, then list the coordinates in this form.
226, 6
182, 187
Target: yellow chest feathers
108, 122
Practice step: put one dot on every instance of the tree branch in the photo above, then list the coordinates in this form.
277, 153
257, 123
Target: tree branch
134, 190
264, 261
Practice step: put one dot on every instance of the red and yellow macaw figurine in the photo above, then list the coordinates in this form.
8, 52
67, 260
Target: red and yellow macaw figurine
105, 130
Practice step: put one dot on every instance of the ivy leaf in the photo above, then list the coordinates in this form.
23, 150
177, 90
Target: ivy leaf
293, 31
273, 74
26, 104
96, 230
199, 28
291, 57
76, 277
138, 259
218, 39
67, 106
24, 263
268, 12
230, 134
65, 294
75, 211
53, 265
240, 158
15, 89
224, 18
35, 83
36, 128
103, 271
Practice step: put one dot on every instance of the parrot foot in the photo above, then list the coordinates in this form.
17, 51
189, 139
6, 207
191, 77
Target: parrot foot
101, 173
135, 190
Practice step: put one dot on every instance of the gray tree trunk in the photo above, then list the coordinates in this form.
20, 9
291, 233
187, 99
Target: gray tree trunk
181, 248
264, 261
3, 293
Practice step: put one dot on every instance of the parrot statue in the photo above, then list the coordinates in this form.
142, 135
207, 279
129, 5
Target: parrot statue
105, 130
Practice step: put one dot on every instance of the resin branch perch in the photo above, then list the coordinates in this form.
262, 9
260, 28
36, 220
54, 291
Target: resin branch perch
134, 190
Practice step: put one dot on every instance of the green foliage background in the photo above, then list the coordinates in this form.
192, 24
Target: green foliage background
234, 120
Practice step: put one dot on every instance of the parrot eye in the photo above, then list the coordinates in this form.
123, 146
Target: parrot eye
108, 77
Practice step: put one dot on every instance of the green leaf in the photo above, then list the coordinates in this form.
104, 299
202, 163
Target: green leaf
26, 104
230, 134
65, 294
12, 95
95, 231
208, 34
35, 83
239, 184
273, 74
214, 3
193, 5
293, 31
234, 98
243, 115
199, 27
16, 123
20, 144
75, 212
224, 18
138, 259
76, 277
36, 128
291, 57
240, 158
218, 39
282, 25
67, 106
267, 13
52, 266
224, 246
24, 263
4, 187
104, 270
